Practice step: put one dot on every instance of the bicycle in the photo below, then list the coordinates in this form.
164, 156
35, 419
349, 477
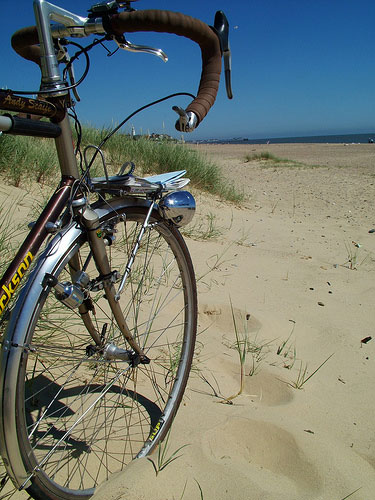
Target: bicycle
99, 343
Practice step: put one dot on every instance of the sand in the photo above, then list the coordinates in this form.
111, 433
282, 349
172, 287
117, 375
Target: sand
282, 261
296, 264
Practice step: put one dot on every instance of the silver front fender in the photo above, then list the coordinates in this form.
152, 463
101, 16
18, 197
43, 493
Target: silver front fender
22, 316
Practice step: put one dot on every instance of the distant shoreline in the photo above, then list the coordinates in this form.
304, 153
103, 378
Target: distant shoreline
317, 139
322, 154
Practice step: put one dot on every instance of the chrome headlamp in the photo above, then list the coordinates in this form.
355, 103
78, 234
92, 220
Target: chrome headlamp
178, 207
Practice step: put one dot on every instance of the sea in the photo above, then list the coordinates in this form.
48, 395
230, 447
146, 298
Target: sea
332, 139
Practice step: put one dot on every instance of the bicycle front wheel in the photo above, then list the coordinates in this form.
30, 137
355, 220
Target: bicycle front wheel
81, 414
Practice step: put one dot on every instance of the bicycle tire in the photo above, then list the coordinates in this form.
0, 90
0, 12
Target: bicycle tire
80, 418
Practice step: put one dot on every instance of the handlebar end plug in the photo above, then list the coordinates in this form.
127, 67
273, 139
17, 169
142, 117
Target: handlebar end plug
187, 121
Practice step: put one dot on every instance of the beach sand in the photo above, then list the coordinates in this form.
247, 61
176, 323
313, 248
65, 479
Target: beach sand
282, 261
295, 266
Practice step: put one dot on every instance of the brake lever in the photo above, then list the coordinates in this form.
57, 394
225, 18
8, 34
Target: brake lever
221, 27
131, 47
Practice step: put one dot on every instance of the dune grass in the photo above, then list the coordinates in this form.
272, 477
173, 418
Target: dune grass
159, 156
302, 376
12, 232
25, 159
268, 159
164, 456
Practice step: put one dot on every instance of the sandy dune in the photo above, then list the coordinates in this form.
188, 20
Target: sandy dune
295, 264
287, 262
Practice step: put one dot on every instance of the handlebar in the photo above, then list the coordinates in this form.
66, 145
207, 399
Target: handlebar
26, 43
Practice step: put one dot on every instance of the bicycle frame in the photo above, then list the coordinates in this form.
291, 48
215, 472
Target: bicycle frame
64, 147
51, 80
25, 255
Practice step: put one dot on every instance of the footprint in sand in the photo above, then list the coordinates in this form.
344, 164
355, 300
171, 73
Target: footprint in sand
266, 452
266, 389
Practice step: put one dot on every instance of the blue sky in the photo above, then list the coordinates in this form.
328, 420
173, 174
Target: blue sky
299, 68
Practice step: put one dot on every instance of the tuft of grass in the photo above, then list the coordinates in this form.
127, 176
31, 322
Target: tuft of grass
164, 457
264, 155
10, 232
183, 491
243, 239
244, 346
353, 251
204, 229
213, 385
302, 377
287, 350
270, 160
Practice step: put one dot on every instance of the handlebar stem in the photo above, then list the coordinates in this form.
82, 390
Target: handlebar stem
44, 12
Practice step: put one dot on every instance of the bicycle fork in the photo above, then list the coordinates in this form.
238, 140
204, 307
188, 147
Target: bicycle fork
90, 220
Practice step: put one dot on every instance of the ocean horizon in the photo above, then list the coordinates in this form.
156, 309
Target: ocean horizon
329, 139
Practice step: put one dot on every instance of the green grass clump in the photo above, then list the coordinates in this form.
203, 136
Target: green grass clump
32, 159
27, 158
164, 457
8, 233
160, 156
264, 155
270, 160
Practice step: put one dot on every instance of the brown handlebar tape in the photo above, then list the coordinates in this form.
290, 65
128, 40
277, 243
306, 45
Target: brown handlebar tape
25, 43
163, 21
